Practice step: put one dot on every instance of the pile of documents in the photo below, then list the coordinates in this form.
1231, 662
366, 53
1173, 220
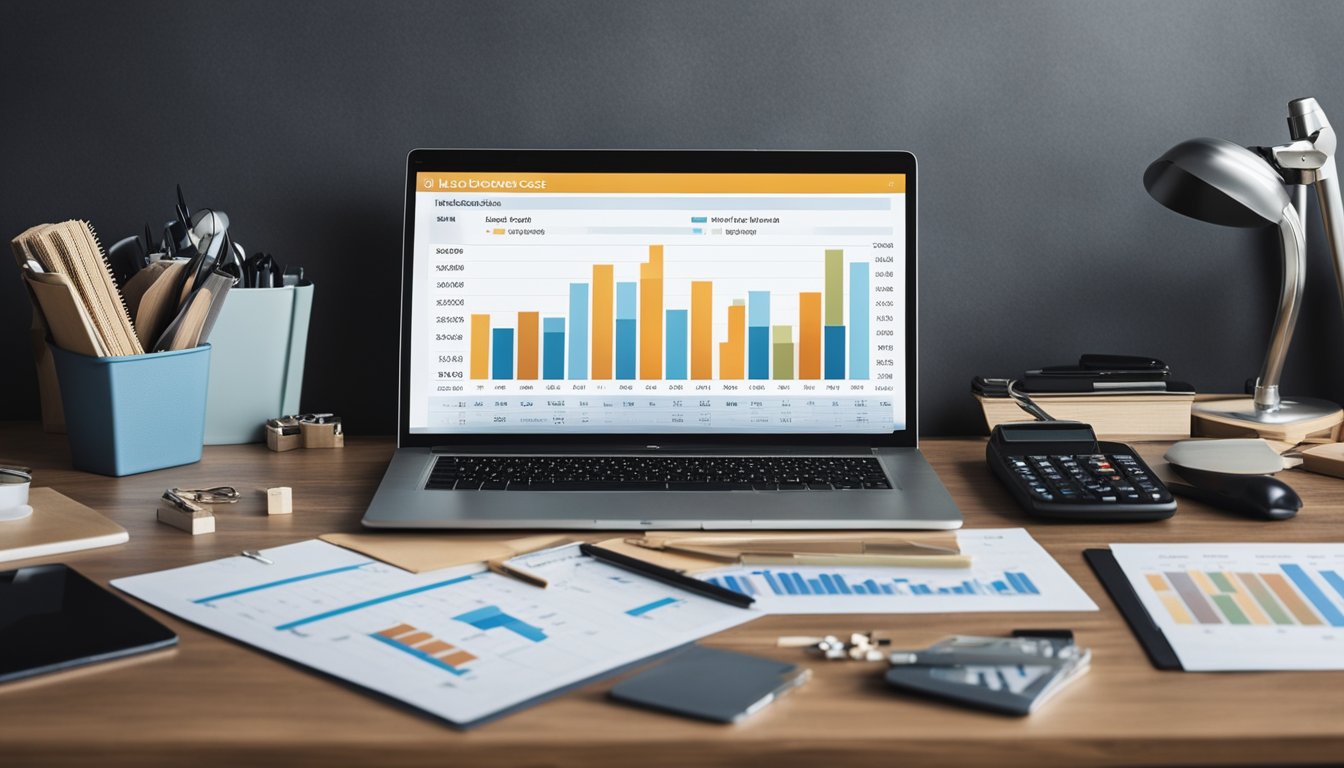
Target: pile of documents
169, 306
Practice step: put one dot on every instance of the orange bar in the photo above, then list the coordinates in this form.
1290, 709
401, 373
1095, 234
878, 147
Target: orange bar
529, 340
651, 315
809, 335
1290, 599
480, 346
1158, 583
604, 310
457, 659
400, 629
414, 637
435, 647
702, 329
733, 352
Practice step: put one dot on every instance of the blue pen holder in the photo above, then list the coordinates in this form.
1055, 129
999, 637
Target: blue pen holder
126, 415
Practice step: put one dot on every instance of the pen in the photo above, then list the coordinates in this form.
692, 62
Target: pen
504, 569
667, 576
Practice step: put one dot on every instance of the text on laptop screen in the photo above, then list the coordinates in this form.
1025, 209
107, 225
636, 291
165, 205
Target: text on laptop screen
658, 302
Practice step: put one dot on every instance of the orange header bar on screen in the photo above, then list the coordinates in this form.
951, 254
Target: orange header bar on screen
664, 183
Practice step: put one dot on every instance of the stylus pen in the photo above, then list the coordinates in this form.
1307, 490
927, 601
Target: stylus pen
667, 576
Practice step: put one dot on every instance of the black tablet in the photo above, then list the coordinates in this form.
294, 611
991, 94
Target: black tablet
53, 618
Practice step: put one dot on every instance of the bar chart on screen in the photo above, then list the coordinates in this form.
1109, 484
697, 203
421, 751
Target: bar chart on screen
1009, 572
711, 312
1243, 606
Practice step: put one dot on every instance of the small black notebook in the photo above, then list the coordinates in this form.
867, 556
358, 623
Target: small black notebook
1150, 636
711, 684
53, 618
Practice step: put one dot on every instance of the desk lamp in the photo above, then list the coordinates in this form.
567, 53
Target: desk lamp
1223, 183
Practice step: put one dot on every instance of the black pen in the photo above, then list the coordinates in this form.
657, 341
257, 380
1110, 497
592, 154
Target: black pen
667, 576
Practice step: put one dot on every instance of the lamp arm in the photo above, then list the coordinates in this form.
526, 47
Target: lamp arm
1290, 294
1332, 216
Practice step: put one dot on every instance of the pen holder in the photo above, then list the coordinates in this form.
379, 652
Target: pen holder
126, 415
259, 340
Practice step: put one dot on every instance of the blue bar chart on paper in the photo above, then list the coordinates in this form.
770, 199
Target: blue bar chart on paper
1009, 572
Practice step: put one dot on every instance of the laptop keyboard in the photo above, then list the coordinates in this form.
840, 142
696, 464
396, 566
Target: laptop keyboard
656, 473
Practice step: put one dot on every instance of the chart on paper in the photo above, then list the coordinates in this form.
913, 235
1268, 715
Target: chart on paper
461, 643
1243, 606
1009, 572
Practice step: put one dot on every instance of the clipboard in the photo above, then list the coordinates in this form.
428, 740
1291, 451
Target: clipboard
1117, 585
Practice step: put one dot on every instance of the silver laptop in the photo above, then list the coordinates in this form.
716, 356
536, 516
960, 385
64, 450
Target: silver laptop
659, 339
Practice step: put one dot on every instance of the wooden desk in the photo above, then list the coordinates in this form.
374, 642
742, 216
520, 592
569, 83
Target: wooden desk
213, 701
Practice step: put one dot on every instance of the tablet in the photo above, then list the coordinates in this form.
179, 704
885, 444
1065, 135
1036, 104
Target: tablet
53, 618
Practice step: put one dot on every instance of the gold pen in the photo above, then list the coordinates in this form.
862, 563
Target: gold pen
504, 569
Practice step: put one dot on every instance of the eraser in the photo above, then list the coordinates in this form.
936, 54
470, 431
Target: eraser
279, 501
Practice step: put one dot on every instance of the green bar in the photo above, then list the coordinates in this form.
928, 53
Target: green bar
782, 336
1262, 596
835, 288
1230, 609
1220, 581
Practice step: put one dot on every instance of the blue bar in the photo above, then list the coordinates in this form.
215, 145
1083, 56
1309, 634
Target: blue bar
872, 587
945, 590
278, 583
491, 617
886, 589
1017, 583
785, 581
999, 585
758, 334
643, 609
774, 585
715, 581
858, 320
421, 655
922, 589
626, 294
828, 584
1026, 582
674, 352
1308, 587
834, 354
956, 590
501, 355
699, 219
798, 583
1335, 581
859, 590
578, 330
840, 583
970, 588
367, 603
817, 587
553, 348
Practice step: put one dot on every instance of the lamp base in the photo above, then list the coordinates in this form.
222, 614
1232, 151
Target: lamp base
1295, 419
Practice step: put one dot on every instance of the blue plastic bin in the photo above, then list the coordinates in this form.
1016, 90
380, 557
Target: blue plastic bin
126, 415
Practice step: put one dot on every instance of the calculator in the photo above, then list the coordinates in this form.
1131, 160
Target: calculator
1060, 470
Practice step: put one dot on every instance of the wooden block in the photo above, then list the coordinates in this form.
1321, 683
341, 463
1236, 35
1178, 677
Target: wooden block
279, 501
279, 442
327, 435
195, 522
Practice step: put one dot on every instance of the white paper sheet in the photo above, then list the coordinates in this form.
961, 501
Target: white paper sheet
1009, 572
462, 643
1243, 606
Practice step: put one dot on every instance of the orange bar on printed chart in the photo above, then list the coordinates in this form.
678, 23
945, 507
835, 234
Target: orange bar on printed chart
480, 346
733, 352
651, 315
809, 335
702, 329
529, 341
604, 311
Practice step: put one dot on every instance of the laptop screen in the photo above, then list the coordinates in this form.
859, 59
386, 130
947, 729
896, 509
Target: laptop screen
633, 302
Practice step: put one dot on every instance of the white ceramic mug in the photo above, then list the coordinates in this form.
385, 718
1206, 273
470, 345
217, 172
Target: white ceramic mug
14, 482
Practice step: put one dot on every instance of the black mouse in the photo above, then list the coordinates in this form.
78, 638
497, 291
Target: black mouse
1259, 496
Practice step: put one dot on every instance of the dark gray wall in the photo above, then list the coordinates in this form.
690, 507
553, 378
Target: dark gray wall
1033, 122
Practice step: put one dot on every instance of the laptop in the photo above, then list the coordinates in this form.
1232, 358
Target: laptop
598, 339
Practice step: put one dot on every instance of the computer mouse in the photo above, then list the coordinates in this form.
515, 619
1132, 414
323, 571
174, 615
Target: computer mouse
1258, 496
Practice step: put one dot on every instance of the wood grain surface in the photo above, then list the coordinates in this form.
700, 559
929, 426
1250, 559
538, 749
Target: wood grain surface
212, 701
